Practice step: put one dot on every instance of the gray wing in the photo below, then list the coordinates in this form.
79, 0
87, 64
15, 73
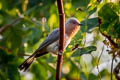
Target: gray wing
53, 36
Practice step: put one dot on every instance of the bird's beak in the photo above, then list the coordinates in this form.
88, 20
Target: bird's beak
81, 24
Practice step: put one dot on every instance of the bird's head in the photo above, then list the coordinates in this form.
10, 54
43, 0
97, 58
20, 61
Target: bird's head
73, 22
72, 26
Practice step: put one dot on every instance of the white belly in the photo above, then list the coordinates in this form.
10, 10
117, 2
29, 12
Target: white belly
53, 48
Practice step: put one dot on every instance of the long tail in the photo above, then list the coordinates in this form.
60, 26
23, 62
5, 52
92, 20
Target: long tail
25, 65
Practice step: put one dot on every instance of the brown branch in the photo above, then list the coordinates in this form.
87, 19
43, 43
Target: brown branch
76, 47
105, 35
5, 49
4, 28
61, 38
112, 66
23, 54
112, 43
116, 71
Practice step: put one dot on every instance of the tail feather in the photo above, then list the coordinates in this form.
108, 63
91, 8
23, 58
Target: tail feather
25, 65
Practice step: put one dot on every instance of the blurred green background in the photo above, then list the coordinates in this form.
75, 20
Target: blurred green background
24, 24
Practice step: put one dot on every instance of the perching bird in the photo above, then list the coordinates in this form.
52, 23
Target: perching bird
51, 43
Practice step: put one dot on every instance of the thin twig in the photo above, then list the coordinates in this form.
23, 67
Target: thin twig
97, 66
84, 41
112, 66
76, 47
35, 22
101, 54
5, 49
99, 60
22, 55
4, 28
116, 71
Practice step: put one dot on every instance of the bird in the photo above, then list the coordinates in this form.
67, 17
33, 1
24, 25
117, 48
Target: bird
51, 42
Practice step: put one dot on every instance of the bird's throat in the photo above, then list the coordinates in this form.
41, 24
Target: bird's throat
72, 31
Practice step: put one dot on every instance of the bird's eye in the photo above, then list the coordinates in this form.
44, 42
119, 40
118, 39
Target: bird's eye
73, 22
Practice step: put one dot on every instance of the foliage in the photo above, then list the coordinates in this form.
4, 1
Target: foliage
81, 51
30, 21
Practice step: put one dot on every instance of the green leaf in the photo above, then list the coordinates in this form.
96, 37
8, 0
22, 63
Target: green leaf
51, 59
3, 57
8, 64
107, 13
81, 51
80, 3
40, 72
110, 19
34, 36
89, 24
92, 11
14, 37
3, 76
13, 73
93, 77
